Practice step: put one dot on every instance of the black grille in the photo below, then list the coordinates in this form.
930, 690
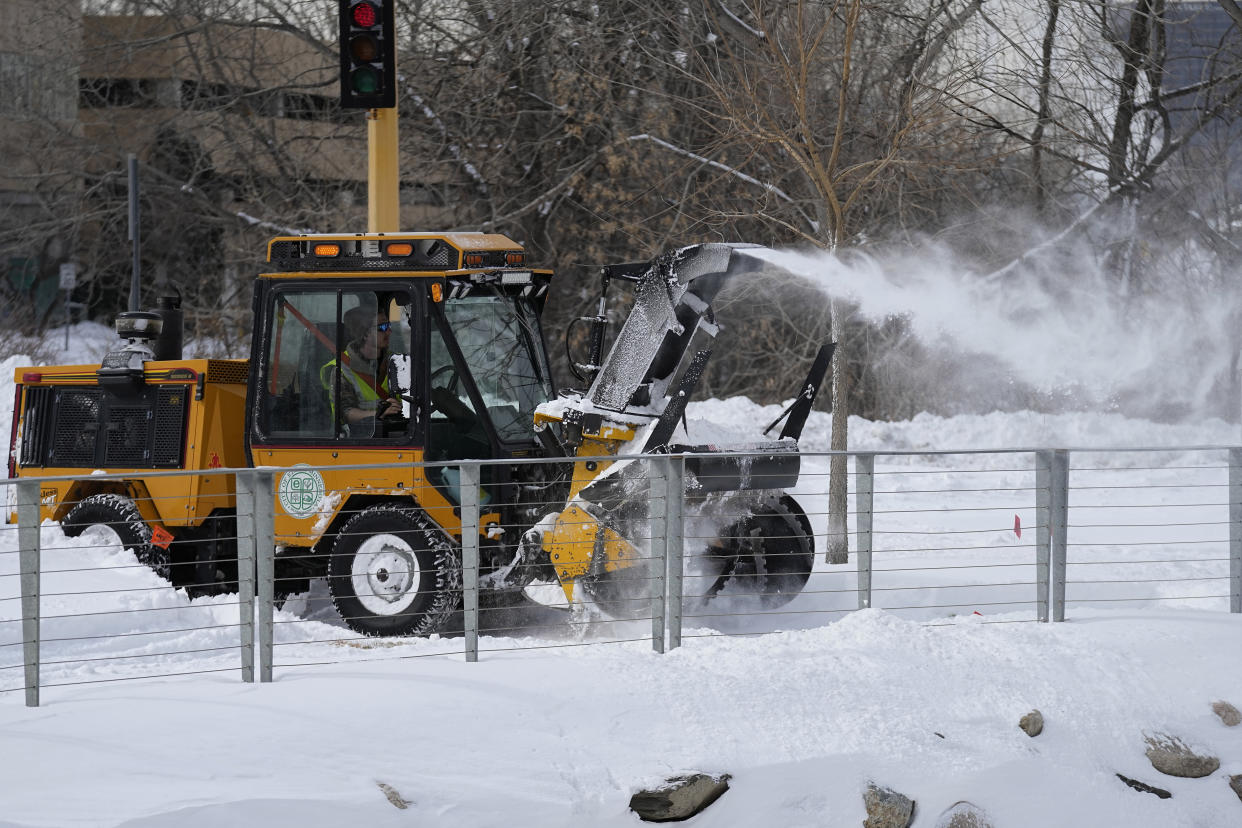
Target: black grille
235, 371
169, 437
91, 428
36, 426
129, 436
442, 257
76, 427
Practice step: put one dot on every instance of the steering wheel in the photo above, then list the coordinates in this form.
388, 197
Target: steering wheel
450, 371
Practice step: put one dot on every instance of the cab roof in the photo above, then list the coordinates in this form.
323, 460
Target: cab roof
413, 251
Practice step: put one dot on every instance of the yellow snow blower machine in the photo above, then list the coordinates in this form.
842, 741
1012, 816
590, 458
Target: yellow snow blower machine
407, 353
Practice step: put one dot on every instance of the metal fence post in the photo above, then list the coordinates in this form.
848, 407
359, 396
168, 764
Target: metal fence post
246, 570
675, 494
28, 563
1060, 532
1235, 530
265, 559
470, 479
657, 504
864, 498
1043, 533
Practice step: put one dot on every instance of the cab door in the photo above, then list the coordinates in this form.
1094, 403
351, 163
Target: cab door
323, 359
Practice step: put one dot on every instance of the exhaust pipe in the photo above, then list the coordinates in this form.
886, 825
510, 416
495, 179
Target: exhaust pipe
168, 344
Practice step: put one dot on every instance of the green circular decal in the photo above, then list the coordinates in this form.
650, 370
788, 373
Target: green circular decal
301, 488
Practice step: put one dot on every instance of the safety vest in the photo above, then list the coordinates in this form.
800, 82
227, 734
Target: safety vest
366, 389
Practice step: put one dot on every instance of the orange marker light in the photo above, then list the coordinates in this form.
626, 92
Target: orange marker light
437, 292
327, 250
474, 259
399, 249
515, 259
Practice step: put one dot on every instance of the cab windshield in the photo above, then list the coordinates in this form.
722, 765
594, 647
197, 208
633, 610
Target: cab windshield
499, 338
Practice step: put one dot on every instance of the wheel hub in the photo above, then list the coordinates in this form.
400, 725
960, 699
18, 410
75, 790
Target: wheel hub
385, 574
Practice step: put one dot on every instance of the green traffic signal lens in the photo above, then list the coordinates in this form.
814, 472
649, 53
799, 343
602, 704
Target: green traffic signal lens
365, 80
364, 49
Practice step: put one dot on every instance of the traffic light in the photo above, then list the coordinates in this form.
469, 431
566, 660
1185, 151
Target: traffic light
368, 54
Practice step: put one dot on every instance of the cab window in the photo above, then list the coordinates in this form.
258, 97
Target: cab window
330, 372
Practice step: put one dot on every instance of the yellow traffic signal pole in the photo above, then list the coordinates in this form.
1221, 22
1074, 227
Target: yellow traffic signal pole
383, 172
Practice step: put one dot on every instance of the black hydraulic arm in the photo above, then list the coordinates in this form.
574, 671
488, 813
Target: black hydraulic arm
676, 408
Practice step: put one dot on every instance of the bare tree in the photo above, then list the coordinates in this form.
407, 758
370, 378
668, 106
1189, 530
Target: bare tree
1100, 106
828, 105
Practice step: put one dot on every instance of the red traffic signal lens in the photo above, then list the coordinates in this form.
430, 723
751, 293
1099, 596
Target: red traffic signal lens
364, 49
365, 15
365, 80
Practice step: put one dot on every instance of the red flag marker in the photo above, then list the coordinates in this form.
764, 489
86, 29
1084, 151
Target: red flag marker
161, 537
1017, 526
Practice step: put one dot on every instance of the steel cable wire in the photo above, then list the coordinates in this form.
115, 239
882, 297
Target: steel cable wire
1145, 598
139, 677
86, 660
1139, 561
1148, 580
131, 634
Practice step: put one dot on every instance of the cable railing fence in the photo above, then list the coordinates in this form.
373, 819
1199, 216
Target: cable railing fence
656, 549
93, 600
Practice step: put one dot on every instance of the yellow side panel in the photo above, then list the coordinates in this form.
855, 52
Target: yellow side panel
308, 499
52, 494
216, 439
57, 497
169, 498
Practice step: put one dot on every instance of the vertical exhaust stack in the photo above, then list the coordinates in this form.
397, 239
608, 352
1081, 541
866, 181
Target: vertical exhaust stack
169, 343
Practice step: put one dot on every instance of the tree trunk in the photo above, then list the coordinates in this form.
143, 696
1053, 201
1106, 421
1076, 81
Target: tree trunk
838, 547
1045, 108
1134, 55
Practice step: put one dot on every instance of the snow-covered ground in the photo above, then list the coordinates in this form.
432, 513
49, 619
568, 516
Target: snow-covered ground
554, 726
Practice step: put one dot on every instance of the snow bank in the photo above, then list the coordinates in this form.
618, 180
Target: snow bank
738, 419
803, 720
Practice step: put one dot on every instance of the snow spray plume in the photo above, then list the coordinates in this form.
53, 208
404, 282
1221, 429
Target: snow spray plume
1060, 328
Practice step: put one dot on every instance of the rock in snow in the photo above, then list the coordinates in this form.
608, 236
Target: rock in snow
886, 808
1144, 787
964, 815
1235, 782
1032, 723
391, 794
1172, 757
1228, 713
680, 797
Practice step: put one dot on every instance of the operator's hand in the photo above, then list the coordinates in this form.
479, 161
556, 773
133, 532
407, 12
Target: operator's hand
389, 408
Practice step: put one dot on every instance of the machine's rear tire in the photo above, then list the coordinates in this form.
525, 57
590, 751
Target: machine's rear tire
764, 559
393, 572
119, 516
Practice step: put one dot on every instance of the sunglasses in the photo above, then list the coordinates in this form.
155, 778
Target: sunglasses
383, 327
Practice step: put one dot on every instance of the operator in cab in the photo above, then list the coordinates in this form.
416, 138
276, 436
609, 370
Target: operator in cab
365, 384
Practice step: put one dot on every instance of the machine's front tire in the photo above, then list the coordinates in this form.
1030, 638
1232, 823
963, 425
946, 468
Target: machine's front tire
118, 521
393, 572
